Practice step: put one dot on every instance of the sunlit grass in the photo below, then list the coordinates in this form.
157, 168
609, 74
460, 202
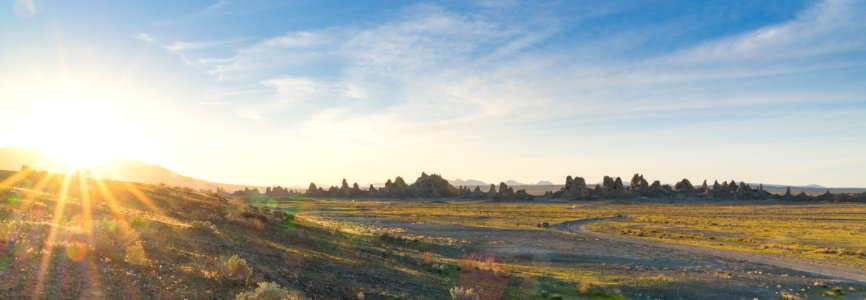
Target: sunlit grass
825, 233
68, 218
101, 239
91, 238
829, 233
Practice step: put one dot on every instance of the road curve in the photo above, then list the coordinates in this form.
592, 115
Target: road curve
579, 227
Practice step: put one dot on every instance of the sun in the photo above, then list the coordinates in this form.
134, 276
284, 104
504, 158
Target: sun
77, 130
76, 134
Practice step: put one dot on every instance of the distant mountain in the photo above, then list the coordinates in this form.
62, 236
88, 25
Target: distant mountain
468, 182
814, 186
137, 171
14, 158
812, 189
510, 182
121, 170
513, 182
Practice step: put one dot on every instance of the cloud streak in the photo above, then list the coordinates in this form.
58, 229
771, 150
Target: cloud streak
426, 74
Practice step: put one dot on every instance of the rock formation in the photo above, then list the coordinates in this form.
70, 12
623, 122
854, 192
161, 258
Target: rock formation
426, 186
617, 185
312, 190
607, 183
638, 184
575, 188
434, 186
684, 186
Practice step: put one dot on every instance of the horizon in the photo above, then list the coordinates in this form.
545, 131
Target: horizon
262, 94
105, 170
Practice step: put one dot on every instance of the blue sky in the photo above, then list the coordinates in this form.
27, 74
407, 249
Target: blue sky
261, 92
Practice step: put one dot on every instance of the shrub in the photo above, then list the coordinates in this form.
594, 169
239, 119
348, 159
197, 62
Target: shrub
135, 254
204, 226
461, 293
834, 292
113, 240
268, 290
137, 222
587, 288
236, 269
486, 264
789, 296
556, 297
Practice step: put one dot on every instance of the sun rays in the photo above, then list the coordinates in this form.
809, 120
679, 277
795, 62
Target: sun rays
72, 222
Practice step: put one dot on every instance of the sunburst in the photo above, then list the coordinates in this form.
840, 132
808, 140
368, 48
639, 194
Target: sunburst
76, 189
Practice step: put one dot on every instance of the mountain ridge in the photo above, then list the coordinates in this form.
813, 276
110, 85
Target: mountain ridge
121, 170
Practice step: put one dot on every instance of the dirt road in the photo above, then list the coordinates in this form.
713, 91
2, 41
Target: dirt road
580, 227
638, 269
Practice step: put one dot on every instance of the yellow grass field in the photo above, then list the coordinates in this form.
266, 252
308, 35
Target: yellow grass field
828, 233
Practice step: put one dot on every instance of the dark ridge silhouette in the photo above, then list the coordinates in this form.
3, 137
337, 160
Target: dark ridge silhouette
576, 189
426, 186
276, 192
434, 186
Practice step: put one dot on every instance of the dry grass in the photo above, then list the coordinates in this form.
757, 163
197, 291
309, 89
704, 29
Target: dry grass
827, 233
461, 293
830, 233
78, 238
147, 241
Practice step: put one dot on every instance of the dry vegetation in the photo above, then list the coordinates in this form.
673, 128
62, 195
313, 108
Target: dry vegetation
67, 237
831, 233
73, 238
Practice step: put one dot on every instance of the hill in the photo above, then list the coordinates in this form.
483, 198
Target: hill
468, 182
121, 170
514, 182
69, 237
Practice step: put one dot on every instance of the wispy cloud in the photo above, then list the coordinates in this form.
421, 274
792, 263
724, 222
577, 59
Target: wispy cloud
26, 8
436, 72
180, 47
829, 27
145, 38
210, 9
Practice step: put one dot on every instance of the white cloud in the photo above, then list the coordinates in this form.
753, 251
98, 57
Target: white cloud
145, 37
26, 8
210, 9
180, 47
445, 69
294, 88
416, 89
829, 27
302, 39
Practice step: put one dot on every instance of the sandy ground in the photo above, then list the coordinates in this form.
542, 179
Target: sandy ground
645, 270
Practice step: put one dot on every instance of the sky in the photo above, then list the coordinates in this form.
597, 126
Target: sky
289, 92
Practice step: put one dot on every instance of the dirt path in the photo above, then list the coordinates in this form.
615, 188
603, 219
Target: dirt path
579, 227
